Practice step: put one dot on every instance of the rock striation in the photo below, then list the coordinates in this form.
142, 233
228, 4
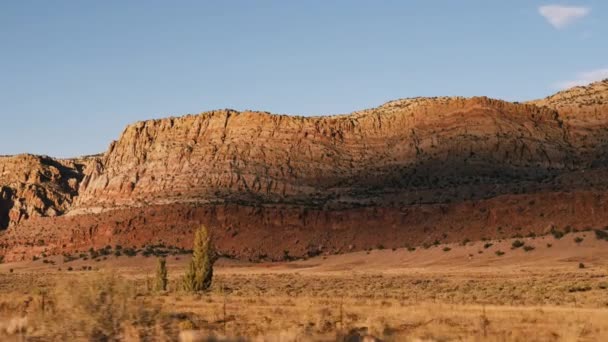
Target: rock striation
394, 153
406, 173
33, 186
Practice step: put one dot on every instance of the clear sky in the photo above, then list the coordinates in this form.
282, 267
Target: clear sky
74, 73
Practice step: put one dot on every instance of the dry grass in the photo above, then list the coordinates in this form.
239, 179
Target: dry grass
101, 306
402, 295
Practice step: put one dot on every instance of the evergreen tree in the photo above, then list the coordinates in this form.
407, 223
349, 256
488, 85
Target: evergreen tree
200, 271
161, 275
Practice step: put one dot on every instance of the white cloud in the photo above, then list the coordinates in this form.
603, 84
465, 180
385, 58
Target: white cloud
584, 78
562, 16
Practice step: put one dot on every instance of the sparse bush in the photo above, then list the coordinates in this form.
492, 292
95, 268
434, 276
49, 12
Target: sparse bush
499, 253
130, 252
517, 244
580, 288
93, 253
557, 234
581, 265
68, 258
161, 275
578, 239
98, 308
488, 245
601, 234
528, 248
199, 275
549, 245
446, 249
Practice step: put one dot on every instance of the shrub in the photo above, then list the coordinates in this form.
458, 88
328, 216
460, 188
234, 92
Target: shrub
130, 252
578, 239
517, 244
500, 253
581, 265
580, 288
601, 234
199, 275
93, 253
99, 307
161, 275
528, 248
556, 233
68, 258
446, 249
549, 245
488, 245
286, 256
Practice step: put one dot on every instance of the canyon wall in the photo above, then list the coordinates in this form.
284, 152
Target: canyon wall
409, 172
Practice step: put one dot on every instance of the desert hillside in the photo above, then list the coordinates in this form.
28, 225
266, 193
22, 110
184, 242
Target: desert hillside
36, 186
409, 172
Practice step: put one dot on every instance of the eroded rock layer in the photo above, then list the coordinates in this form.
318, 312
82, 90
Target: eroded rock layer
401, 152
406, 173
33, 186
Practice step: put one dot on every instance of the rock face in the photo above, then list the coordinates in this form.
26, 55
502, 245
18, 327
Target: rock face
585, 113
408, 172
36, 186
399, 152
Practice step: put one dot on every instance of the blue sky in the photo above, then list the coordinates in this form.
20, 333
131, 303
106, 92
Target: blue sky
74, 73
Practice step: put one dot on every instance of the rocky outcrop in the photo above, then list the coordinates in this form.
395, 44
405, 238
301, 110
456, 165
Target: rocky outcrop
33, 186
409, 172
400, 152
584, 111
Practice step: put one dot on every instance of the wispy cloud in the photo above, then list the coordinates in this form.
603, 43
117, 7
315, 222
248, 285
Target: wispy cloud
584, 78
562, 16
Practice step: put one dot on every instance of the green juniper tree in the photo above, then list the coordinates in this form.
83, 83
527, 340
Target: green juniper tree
161, 275
200, 270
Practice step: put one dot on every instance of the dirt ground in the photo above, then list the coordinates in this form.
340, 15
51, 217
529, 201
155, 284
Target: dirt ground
557, 291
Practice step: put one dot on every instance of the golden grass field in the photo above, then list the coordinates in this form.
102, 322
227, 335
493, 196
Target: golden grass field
443, 293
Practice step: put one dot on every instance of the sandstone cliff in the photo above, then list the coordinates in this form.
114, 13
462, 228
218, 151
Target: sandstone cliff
585, 113
36, 186
396, 152
408, 172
